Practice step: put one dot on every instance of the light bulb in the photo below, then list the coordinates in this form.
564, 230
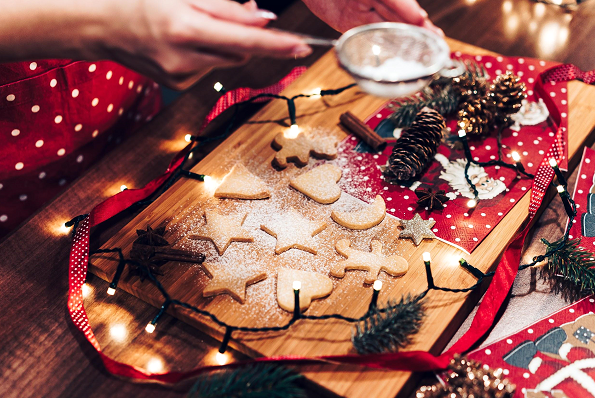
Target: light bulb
188, 137
377, 285
316, 91
111, 291
462, 133
150, 328
560, 188
118, 332
123, 187
221, 358
155, 365
516, 157
553, 162
297, 285
218, 87
426, 257
87, 290
472, 203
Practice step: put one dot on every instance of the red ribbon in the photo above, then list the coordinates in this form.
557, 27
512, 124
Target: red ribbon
567, 72
405, 361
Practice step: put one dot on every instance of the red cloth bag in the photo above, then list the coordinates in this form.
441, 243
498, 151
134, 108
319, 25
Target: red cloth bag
57, 117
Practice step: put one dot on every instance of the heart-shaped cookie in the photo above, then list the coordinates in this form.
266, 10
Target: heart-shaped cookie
320, 183
314, 285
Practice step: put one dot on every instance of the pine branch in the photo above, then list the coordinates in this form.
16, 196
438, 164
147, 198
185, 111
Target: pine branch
440, 95
390, 329
258, 381
569, 268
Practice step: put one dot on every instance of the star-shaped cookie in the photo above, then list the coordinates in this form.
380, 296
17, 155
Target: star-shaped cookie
230, 279
417, 229
222, 230
373, 262
293, 231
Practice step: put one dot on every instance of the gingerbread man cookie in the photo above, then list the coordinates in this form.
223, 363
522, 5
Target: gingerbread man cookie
373, 262
299, 149
320, 183
313, 286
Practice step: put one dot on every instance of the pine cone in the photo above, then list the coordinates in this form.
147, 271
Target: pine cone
416, 147
508, 93
470, 87
477, 117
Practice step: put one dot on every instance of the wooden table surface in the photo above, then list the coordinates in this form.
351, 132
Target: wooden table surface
42, 354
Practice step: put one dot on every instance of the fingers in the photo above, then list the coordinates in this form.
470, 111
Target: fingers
240, 39
246, 14
407, 11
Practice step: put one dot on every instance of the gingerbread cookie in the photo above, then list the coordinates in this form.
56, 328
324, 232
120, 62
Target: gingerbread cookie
313, 286
242, 184
230, 279
365, 218
293, 231
299, 149
320, 183
373, 262
222, 230
417, 229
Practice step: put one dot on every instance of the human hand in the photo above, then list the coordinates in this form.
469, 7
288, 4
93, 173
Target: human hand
176, 42
343, 15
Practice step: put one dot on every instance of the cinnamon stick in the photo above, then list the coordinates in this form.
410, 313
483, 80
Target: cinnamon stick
360, 129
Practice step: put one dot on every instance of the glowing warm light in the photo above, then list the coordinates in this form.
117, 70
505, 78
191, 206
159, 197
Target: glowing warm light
190, 155
472, 203
462, 133
118, 332
376, 49
218, 86
188, 137
221, 358
516, 157
297, 285
316, 91
553, 162
87, 290
155, 365
111, 291
539, 10
560, 188
123, 187
63, 229
552, 36
470, 1
293, 131
377, 285
426, 257
507, 6
150, 328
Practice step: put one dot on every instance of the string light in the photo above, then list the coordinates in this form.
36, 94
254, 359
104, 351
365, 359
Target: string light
111, 291
462, 133
293, 132
554, 165
188, 137
427, 258
316, 92
123, 187
377, 286
150, 328
560, 188
472, 203
118, 332
517, 159
63, 229
297, 285
87, 290
221, 358
218, 87
155, 365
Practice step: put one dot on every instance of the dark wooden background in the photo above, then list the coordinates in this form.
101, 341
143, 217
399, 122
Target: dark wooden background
42, 354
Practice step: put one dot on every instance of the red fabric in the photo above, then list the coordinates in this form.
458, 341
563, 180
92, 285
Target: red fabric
56, 119
413, 361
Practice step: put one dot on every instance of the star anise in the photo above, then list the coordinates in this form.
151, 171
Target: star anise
151, 237
430, 199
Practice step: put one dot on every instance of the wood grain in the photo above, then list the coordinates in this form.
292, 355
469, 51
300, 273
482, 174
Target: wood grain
42, 354
251, 145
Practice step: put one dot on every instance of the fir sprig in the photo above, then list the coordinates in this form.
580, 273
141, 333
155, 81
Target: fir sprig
391, 328
569, 268
257, 381
440, 98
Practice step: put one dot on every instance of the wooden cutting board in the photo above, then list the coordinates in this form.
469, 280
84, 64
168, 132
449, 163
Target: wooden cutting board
182, 206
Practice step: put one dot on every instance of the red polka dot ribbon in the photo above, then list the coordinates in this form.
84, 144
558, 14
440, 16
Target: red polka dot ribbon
567, 72
407, 361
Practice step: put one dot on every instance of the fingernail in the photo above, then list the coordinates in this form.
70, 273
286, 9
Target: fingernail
264, 14
424, 13
301, 51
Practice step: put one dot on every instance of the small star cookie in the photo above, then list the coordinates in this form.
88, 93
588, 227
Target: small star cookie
222, 230
373, 262
293, 231
320, 183
242, 184
365, 218
314, 285
299, 149
230, 279
417, 229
